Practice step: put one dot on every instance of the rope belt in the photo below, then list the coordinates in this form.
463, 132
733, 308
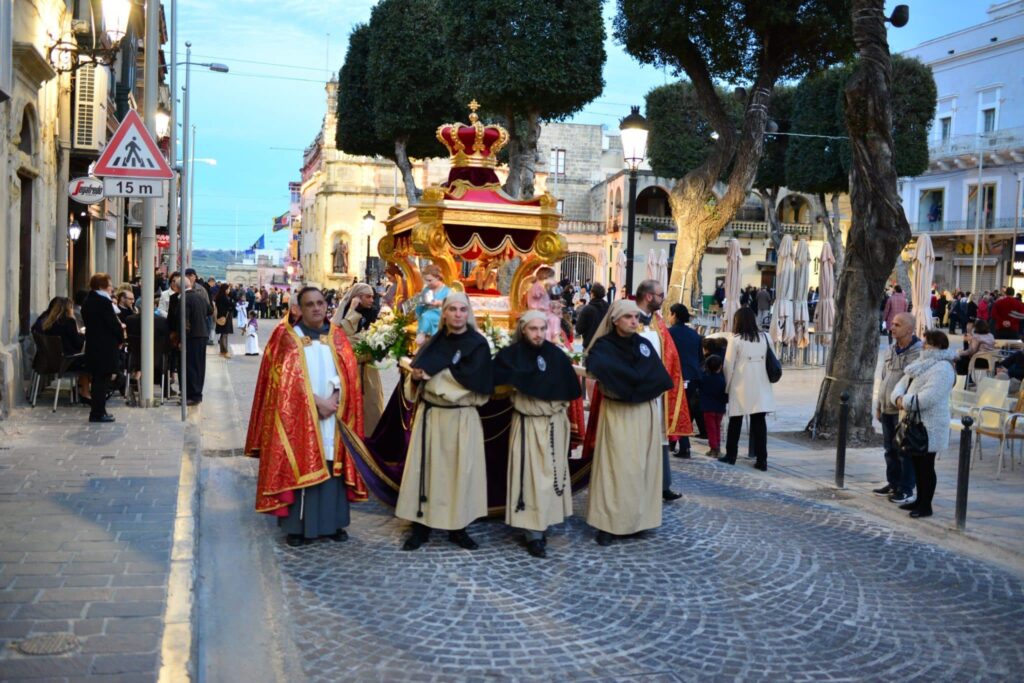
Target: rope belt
521, 504
427, 405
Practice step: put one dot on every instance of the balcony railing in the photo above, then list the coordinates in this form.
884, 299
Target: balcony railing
1000, 224
963, 145
582, 227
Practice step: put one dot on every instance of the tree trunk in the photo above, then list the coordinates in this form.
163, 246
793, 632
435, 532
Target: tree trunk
514, 183
412, 193
529, 156
833, 231
878, 231
903, 276
769, 200
698, 223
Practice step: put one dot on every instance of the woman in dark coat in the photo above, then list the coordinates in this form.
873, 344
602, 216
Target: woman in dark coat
104, 334
225, 312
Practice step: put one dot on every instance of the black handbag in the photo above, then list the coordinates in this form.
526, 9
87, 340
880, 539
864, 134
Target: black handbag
771, 363
911, 436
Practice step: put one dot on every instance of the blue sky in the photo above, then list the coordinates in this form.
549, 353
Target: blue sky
256, 120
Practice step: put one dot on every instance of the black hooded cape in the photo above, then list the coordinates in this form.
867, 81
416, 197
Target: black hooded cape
467, 355
628, 368
543, 372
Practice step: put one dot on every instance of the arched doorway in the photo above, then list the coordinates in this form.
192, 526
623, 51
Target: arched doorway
26, 182
653, 201
795, 208
577, 266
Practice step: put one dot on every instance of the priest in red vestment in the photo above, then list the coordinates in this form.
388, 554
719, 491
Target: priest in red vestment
650, 295
308, 383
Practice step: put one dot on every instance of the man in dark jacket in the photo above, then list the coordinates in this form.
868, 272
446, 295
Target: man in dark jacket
104, 333
691, 357
592, 314
197, 314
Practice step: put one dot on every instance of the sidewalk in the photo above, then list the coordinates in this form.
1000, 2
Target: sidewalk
86, 543
995, 508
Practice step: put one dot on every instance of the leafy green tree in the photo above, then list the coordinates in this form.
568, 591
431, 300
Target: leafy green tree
743, 41
878, 231
527, 61
355, 120
396, 86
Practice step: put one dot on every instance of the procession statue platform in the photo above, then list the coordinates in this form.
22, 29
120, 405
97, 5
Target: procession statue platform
477, 235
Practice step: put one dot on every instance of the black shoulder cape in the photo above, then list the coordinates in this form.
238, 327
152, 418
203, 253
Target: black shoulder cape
467, 355
544, 372
628, 368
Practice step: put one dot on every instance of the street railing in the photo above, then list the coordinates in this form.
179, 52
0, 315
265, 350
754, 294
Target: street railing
961, 145
1004, 224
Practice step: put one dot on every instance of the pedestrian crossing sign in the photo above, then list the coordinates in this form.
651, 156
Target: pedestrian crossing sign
132, 153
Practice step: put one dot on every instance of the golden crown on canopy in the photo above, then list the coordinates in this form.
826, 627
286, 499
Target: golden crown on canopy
474, 144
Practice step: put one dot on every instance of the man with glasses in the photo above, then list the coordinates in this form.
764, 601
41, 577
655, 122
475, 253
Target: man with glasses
650, 295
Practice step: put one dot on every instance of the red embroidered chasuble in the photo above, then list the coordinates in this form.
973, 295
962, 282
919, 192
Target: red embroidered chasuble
677, 411
284, 427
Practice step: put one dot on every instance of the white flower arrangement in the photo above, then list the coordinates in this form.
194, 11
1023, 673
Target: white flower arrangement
497, 337
386, 340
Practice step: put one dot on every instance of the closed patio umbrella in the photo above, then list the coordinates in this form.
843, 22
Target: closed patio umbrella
801, 279
825, 313
733, 257
921, 284
782, 310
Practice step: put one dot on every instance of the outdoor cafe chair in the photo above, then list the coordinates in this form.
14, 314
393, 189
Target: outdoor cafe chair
50, 360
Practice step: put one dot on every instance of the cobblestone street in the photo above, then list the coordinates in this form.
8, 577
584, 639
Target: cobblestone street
744, 580
88, 520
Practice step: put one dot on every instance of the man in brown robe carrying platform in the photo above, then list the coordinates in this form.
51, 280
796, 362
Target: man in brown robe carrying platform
544, 383
444, 485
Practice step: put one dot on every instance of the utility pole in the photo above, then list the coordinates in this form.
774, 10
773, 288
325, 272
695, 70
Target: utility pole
148, 241
172, 157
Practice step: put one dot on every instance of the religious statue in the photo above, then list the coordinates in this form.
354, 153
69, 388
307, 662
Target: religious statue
340, 256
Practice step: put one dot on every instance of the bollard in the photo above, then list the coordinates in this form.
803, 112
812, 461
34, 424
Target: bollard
963, 473
844, 419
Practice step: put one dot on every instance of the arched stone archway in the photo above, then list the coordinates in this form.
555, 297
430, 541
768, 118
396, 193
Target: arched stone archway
24, 182
577, 266
794, 208
653, 201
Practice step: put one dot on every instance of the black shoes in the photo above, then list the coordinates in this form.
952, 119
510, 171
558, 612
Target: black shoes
685, 455
603, 538
295, 540
920, 513
536, 548
339, 536
761, 465
101, 418
908, 506
884, 491
669, 495
418, 537
462, 539
727, 460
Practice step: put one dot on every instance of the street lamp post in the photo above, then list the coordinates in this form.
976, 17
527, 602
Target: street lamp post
74, 232
368, 220
185, 234
634, 149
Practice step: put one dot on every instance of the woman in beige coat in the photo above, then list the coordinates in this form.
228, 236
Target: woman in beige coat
750, 392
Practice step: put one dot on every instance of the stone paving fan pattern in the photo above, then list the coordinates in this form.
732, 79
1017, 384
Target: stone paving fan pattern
84, 550
742, 580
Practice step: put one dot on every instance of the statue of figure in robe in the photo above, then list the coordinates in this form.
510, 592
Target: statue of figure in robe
340, 254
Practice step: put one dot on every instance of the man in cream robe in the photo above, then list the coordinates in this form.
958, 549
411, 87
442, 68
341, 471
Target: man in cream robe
444, 484
544, 384
626, 475
354, 316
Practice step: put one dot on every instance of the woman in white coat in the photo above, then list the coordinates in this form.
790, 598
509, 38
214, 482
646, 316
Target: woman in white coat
926, 385
750, 392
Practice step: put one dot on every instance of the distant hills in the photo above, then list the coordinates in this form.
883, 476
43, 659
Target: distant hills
212, 262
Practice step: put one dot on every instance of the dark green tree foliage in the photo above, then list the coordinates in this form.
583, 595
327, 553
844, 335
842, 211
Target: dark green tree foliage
680, 137
528, 61
771, 172
815, 165
913, 104
750, 42
355, 129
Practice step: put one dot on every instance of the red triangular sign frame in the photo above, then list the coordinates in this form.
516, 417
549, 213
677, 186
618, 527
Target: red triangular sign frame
108, 163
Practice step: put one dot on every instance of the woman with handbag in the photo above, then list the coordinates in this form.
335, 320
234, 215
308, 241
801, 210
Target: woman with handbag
922, 396
748, 386
225, 309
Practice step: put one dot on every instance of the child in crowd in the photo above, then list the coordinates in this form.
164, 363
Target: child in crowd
428, 311
252, 338
713, 402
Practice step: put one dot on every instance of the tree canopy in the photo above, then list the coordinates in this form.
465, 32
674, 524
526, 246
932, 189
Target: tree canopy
528, 61
680, 137
355, 116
